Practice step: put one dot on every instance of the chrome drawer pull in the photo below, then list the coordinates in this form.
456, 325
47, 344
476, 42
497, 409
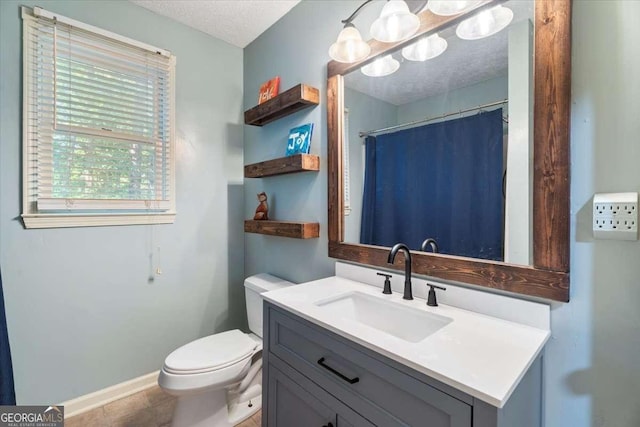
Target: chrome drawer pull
333, 371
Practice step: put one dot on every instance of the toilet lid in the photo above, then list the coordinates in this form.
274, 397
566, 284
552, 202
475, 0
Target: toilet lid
210, 353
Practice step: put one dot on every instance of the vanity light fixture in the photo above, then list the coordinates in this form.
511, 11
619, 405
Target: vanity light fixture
395, 23
485, 24
382, 66
451, 7
426, 48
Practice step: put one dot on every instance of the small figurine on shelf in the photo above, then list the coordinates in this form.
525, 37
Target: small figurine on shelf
262, 211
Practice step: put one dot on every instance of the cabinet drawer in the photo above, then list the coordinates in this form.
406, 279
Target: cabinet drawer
386, 395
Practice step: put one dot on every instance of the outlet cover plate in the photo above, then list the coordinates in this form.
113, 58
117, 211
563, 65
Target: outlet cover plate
615, 216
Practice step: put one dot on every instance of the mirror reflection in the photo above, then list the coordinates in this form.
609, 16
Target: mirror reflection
438, 144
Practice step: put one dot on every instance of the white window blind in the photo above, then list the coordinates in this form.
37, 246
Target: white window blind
98, 122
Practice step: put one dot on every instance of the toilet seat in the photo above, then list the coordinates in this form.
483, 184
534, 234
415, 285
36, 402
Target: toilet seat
211, 362
210, 353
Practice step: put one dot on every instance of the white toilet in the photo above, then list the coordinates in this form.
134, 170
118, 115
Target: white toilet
218, 379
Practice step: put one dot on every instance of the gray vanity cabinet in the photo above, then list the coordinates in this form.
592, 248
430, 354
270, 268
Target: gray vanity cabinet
315, 378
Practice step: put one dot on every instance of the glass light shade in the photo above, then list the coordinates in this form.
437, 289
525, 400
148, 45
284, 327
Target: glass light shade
451, 7
395, 23
349, 47
426, 48
381, 67
485, 24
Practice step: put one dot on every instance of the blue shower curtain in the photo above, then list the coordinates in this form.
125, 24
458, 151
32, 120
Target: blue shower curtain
7, 392
442, 181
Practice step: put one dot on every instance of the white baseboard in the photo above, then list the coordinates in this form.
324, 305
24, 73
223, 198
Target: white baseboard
106, 395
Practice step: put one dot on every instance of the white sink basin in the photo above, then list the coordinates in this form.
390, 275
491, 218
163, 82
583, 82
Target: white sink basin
406, 323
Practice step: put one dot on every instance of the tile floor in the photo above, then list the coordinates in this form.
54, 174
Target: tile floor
149, 408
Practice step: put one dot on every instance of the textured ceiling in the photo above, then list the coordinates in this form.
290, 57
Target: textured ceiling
464, 63
238, 22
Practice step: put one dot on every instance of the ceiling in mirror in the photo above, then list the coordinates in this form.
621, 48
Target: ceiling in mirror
463, 63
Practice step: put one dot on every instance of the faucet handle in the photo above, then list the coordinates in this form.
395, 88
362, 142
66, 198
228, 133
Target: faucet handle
387, 283
431, 299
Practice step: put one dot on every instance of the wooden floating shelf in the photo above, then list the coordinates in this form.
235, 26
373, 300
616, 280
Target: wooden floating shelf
283, 165
288, 102
296, 230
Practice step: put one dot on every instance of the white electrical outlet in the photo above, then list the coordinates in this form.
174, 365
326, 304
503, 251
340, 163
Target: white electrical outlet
615, 216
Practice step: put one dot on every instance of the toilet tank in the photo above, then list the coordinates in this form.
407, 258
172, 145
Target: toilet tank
253, 287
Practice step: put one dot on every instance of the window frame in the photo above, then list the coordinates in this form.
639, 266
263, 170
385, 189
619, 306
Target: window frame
32, 218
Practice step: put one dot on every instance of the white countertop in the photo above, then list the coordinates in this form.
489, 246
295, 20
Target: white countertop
483, 356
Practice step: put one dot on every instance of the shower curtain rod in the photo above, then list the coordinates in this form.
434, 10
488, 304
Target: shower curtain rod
479, 107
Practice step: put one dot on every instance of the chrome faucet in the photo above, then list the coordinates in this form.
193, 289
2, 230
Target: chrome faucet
432, 243
407, 266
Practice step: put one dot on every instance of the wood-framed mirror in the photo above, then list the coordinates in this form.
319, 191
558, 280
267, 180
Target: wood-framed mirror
548, 275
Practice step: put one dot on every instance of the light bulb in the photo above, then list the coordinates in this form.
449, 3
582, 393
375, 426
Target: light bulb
382, 66
395, 23
485, 23
426, 48
393, 27
451, 7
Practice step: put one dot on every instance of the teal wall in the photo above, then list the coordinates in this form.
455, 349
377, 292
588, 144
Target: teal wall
495, 89
592, 378
82, 314
295, 48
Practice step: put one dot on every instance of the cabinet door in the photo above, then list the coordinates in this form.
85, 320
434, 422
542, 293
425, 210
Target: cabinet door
295, 401
292, 406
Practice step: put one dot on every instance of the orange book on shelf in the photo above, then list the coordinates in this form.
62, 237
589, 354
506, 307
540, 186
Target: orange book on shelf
269, 89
